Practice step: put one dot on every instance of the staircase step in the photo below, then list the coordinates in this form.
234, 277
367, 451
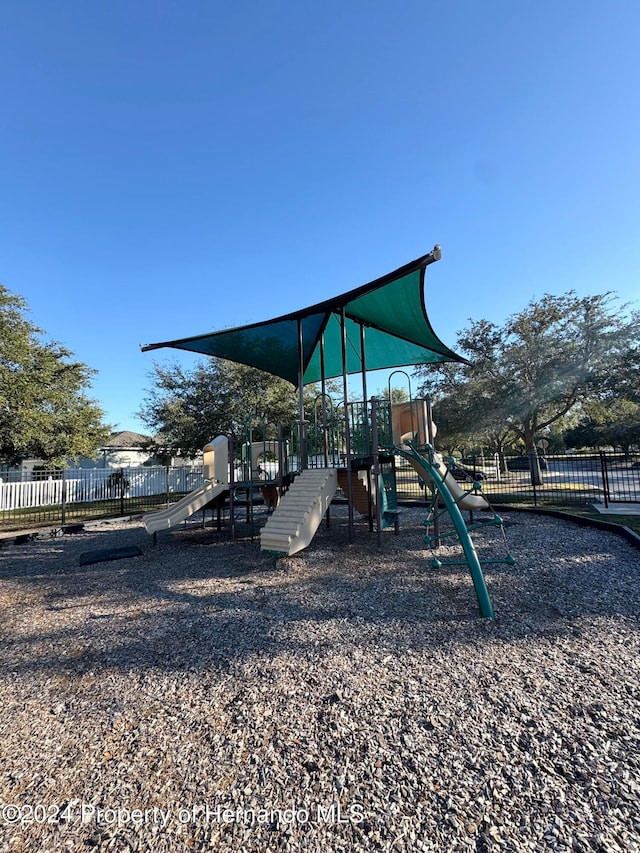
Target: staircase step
295, 520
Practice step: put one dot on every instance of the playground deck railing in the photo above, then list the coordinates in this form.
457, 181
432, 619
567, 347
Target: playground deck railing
50, 498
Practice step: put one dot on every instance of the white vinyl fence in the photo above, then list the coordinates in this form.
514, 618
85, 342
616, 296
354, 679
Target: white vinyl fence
81, 485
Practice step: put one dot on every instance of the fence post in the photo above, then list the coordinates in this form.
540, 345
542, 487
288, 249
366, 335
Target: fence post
533, 484
121, 491
64, 496
166, 481
605, 478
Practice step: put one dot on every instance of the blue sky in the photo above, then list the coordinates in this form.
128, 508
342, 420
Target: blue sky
170, 168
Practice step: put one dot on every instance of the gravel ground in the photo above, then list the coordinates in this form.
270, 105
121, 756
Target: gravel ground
198, 697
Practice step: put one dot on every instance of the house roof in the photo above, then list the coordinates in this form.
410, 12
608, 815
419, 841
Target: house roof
389, 314
127, 439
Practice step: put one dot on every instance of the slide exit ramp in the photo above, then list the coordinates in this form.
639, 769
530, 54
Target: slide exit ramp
164, 519
295, 520
215, 457
431, 467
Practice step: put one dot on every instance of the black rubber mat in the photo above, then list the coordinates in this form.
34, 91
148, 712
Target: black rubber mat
106, 554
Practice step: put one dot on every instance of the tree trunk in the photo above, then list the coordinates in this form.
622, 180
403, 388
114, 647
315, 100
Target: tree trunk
532, 453
536, 471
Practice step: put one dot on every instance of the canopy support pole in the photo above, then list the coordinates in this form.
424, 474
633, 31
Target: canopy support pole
325, 437
366, 424
363, 361
376, 468
303, 437
347, 428
323, 391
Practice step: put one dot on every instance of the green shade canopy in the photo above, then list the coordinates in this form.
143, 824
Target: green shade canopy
391, 310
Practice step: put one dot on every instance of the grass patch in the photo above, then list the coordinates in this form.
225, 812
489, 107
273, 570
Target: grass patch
27, 518
630, 521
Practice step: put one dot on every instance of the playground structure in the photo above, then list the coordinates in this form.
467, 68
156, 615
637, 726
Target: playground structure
303, 501
230, 480
380, 325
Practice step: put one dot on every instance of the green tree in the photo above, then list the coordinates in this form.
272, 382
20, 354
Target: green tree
624, 374
398, 394
45, 410
614, 423
455, 431
467, 415
542, 362
186, 408
586, 433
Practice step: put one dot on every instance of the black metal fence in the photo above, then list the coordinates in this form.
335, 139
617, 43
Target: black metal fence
567, 479
42, 498
56, 497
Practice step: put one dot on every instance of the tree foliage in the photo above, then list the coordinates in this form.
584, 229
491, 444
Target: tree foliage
186, 408
45, 410
528, 374
611, 423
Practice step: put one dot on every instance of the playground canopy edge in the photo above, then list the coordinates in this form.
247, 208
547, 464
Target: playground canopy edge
382, 324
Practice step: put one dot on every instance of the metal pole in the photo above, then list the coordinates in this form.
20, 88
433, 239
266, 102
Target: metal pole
376, 469
363, 370
249, 468
323, 391
64, 496
363, 361
430, 438
347, 428
280, 449
605, 478
303, 438
325, 431
232, 489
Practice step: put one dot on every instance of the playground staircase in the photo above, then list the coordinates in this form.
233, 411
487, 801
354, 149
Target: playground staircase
294, 522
